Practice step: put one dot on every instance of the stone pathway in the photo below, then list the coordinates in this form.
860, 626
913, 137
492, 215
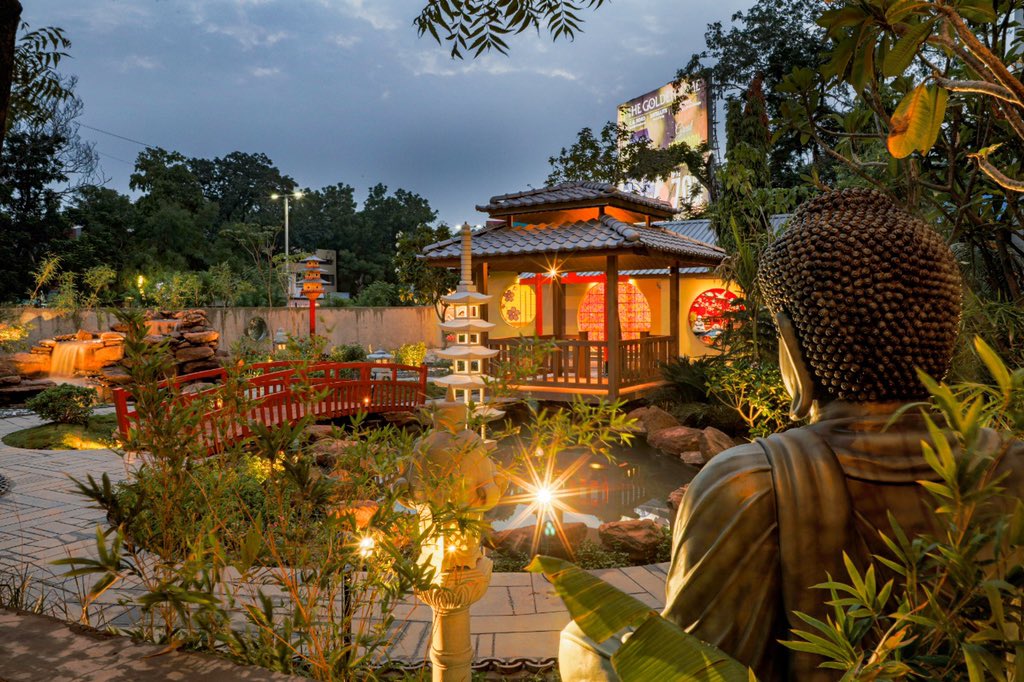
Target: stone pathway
43, 519
34, 647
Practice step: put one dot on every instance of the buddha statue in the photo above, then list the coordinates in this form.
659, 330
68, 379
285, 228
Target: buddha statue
863, 294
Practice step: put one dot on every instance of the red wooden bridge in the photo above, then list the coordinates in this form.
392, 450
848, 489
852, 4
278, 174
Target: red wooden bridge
285, 392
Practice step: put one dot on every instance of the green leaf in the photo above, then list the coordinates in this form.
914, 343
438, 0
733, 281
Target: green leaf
902, 53
995, 365
917, 120
598, 608
977, 10
661, 650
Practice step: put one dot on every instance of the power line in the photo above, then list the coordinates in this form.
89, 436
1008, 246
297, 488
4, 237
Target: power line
111, 156
120, 137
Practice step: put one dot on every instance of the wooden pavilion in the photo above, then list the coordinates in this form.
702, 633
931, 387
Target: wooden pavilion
583, 232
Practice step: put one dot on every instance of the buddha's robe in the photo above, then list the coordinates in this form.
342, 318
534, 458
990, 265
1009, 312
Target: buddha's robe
765, 521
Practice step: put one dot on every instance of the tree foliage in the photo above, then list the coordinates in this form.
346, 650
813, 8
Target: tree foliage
424, 284
473, 27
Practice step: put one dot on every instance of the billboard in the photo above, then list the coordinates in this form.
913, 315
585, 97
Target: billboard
650, 116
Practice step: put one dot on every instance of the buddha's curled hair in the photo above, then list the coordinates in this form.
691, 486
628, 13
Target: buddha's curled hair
872, 291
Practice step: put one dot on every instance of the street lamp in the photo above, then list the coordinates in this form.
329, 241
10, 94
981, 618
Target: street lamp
287, 263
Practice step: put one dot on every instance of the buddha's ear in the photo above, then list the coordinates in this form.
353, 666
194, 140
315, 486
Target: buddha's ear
795, 373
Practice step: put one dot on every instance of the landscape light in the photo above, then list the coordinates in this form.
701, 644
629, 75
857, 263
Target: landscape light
544, 496
275, 196
366, 546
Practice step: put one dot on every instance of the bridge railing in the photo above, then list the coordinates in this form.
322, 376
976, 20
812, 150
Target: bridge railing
285, 392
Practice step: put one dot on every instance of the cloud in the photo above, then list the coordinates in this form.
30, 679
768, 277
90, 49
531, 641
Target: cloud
432, 63
248, 35
137, 62
264, 71
372, 12
346, 41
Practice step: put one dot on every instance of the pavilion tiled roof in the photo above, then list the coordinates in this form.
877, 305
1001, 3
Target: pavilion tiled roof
576, 193
600, 234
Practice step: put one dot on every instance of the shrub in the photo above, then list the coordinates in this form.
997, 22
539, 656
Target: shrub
687, 380
755, 390
411, 354
350, 352
64, 404
378, 295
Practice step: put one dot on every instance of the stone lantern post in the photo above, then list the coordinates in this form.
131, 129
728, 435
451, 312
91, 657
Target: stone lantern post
452, 470
312, 288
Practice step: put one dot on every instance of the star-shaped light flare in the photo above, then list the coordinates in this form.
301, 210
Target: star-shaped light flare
545, 494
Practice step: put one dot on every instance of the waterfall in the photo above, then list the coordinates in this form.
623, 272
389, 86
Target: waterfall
65, 358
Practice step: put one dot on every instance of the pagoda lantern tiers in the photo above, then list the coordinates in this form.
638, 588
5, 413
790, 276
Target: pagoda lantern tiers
312, 287
467, 381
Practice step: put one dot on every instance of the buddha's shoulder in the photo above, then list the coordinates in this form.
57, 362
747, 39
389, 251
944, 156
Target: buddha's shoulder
735, 473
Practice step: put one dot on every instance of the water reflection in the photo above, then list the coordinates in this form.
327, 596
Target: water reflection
636, 484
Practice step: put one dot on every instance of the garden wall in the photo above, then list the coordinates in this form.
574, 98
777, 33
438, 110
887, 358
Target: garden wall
386, 328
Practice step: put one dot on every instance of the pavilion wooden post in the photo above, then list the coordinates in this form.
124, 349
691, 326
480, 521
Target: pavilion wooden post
611, 320
673, 309
558, 322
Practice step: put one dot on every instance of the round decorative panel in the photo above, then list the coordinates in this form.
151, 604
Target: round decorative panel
707, 314
518, 305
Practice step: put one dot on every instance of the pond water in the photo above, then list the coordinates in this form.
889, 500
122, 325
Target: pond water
635, 484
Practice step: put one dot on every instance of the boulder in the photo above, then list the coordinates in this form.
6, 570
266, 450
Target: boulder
638, 538
19, 393
199, 366
653, 419
31, 364
116, 375
104, 355
315, 432
196, 387
327, 451
520, 540
713, 441
110, 337
48, 343
675, 499
361, 510
85, 335
675, 440
10, 379
193, 353
202, 337
693, 458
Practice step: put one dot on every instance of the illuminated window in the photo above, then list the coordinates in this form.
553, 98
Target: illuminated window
634, 312
518, 305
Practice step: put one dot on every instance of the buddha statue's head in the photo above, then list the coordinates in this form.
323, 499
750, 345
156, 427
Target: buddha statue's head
863, 294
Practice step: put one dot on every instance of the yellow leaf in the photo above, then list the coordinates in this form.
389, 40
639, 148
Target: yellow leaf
917, 120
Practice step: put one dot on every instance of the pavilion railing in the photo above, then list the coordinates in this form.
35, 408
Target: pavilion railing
583, 363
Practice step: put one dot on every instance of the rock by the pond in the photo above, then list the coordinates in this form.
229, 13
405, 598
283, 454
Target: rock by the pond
193, 353
652, 419
713, 441
316, 432
520, 540
115, 374
675, 499
638, 538
676, 440
327, 451
197, 387
692, 457
18, 393
201, 337
361, 510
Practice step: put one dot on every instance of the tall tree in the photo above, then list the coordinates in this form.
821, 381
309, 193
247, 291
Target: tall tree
241, 184
10, 18
423, 284
383, 217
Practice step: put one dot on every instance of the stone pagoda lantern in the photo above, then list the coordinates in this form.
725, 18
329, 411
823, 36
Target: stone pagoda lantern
312, 287
467, 382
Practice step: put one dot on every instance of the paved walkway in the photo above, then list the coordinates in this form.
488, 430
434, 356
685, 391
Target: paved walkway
43, 519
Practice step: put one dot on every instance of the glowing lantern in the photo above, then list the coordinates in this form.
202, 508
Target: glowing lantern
634, 312
518, 305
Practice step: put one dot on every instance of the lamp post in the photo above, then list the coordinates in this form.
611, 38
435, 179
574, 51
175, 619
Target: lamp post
287, 263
